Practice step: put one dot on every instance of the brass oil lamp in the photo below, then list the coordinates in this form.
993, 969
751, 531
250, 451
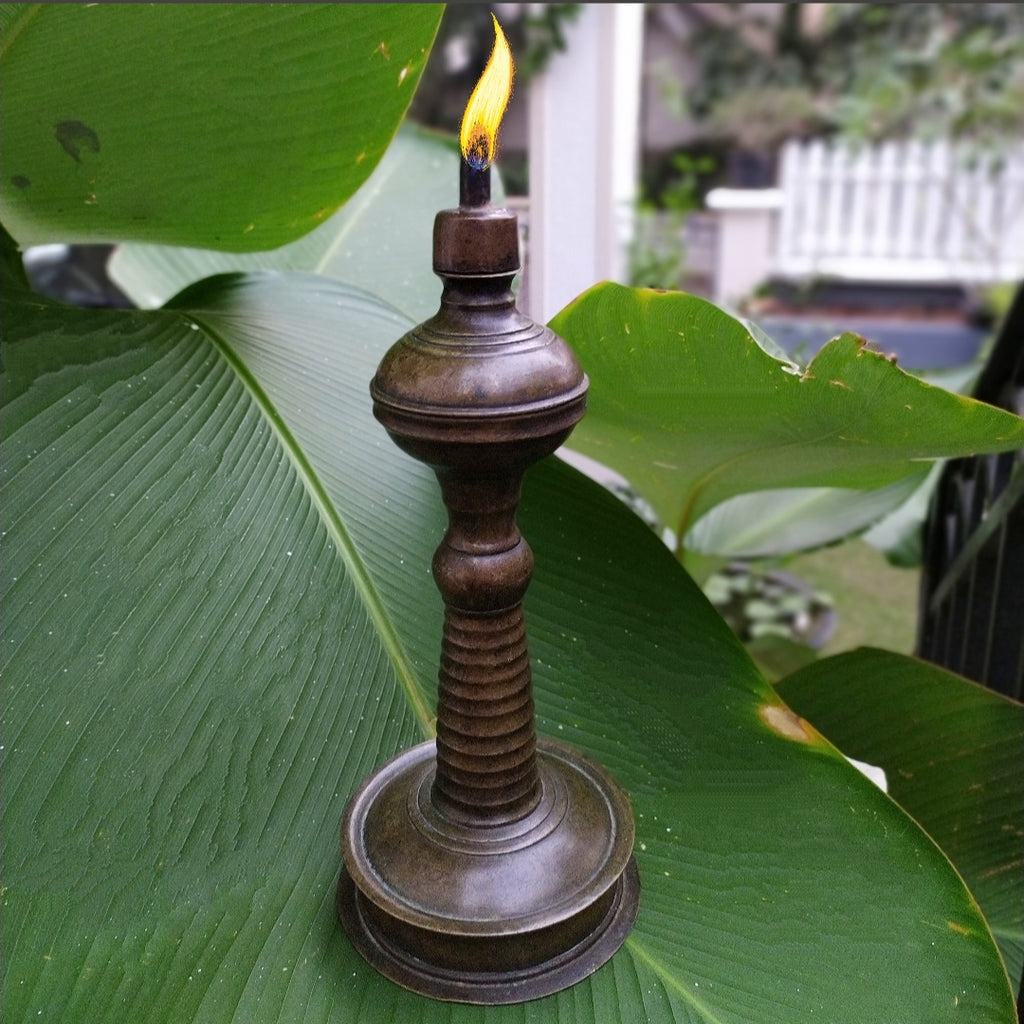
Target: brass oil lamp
489, 866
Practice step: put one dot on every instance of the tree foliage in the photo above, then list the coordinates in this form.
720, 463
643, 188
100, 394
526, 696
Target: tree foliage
869, 70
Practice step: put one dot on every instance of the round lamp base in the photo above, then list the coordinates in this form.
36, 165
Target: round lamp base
489, 915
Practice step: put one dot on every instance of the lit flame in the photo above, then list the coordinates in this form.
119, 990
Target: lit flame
487, 105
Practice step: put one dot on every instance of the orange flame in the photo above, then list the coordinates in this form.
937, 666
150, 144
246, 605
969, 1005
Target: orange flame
487, 105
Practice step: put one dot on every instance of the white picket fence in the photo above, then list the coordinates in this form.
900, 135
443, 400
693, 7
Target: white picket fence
908, 211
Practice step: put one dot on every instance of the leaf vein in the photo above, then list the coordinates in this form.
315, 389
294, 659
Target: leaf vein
343, 541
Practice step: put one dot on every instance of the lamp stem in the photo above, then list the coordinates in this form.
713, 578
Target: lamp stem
486, 738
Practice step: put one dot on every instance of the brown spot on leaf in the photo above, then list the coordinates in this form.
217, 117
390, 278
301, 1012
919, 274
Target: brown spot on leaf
840, 384
787, 723
74, 137
958, 928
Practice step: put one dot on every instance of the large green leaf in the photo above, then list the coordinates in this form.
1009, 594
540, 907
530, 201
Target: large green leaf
899, 535
229, 126
779, 522
219, 618
379, 241
952, 751
688, 407
788, 520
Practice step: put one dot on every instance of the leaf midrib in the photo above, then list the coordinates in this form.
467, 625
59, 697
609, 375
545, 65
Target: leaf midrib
31, 12
637, 948
343, 542
715, 472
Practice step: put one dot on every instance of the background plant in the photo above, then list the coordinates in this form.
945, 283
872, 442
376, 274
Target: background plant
868, 70
219, 616
657, 255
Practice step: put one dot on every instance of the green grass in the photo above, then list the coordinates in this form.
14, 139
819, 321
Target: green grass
876, 602
876, 606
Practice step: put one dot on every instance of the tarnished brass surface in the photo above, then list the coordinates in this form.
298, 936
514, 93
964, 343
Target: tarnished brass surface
495, 915
487, 867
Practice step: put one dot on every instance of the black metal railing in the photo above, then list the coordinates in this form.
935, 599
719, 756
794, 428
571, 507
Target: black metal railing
971, 611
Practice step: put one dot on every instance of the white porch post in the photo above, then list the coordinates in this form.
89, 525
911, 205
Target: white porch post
584, 122
746, 223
